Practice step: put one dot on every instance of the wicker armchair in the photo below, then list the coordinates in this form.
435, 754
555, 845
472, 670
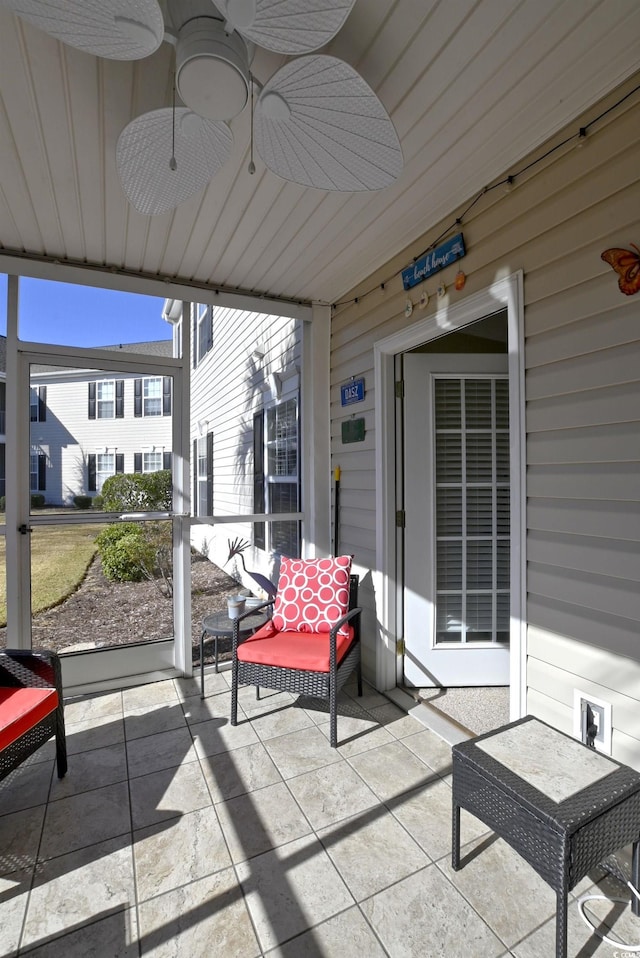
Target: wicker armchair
31, 707
315, 664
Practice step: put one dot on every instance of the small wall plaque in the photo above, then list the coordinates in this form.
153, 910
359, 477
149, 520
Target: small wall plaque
353, 430
352, 392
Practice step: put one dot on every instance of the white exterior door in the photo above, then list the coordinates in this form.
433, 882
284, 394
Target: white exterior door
457, 521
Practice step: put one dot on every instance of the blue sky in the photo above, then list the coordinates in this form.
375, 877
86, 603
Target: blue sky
83, 316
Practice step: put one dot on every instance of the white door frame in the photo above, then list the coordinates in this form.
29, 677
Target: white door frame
505, 293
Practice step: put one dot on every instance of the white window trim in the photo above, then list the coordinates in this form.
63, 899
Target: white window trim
104, 382
504, 293
145, 381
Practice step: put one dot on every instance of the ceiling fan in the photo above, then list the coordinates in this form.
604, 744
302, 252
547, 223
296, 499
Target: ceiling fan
315, 122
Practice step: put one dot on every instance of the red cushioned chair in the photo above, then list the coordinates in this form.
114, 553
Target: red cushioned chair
311, 645
31, 707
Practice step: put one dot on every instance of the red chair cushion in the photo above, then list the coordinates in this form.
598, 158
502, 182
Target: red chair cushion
291, 650
21, 709
312, 594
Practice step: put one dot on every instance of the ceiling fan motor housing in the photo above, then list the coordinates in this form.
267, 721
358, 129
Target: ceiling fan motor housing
212, 69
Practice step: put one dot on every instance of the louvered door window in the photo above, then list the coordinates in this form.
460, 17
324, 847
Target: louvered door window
472, 509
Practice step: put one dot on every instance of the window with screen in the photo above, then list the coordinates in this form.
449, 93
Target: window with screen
282, 475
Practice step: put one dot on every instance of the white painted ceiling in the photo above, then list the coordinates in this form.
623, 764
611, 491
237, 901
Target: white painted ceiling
471, 85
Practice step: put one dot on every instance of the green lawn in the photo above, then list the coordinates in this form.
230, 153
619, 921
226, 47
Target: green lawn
60, 556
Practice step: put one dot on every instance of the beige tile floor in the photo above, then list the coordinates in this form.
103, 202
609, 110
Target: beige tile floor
174, 834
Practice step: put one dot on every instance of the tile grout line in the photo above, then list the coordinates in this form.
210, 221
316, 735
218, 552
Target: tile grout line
132, 845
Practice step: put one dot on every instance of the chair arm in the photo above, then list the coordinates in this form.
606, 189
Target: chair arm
333, 635
335, 628
37, 668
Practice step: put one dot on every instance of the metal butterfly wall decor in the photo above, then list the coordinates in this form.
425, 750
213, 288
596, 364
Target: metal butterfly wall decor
626, 263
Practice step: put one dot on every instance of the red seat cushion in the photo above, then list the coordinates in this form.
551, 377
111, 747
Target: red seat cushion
312, 594
21, 709
305, 651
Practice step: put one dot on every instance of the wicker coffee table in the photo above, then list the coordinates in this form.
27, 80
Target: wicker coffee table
562, 806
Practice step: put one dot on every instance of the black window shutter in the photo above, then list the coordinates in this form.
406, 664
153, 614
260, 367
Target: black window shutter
209, 473
194, 466
209, 328
137, 462
137, 397
119, 398
258, 478
194, 337
42, 404
91, 472
119, 462
166, 395
166, 460
92, 400
42, 472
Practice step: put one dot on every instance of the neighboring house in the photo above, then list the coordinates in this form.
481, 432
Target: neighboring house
3, 408
86, 427
244, 415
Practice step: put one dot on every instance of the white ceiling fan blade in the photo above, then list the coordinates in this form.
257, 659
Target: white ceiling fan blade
152, 183
318, 123
115, 29
287, 26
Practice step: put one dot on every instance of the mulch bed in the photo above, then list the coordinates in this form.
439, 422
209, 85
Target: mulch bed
103, 613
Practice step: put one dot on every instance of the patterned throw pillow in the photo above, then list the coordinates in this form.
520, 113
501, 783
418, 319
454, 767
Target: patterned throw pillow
312, 594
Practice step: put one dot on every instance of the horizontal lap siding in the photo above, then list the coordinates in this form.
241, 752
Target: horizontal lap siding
582, 386
227, 389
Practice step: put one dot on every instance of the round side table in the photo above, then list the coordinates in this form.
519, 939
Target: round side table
219, 625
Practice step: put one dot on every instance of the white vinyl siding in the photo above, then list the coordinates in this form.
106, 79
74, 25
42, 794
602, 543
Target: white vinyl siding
582, 417
228, 387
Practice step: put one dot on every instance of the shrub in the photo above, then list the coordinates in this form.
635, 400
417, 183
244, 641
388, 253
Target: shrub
126, 559
37, 500
82, 502
3, 504
97, 503
114, 532
132, 551
138, 491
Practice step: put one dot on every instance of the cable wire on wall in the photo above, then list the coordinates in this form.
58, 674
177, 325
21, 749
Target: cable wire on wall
507, 183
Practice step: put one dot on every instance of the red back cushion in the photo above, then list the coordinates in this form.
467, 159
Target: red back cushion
312, 594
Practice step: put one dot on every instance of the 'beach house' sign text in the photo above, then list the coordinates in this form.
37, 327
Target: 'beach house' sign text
435, 260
